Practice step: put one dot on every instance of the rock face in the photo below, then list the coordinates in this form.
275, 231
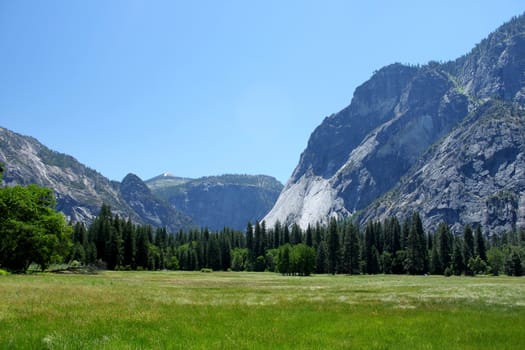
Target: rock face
165, 201
151, 209
219, 201
395, 147
80, 190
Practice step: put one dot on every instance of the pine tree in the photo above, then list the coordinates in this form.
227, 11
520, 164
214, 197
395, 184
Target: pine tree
468, 248
351, 249
286, 235
283, 259
457, 262
479, 244
370, 257
435, 261
295, 238
444, 247
321, 261
114, 247
333, 247
214, 254
309, 240
277, 237
142, 254
258, 241
405, 232
129, 244
417, 257
250, 245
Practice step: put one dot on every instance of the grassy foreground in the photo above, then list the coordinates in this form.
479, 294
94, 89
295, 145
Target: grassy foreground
221, 310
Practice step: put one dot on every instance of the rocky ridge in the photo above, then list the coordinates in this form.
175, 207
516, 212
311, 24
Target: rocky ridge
362, 159
219, 201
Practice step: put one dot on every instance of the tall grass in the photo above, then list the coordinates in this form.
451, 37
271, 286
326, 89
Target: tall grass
193, 310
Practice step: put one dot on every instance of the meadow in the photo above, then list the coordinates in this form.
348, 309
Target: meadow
229, 310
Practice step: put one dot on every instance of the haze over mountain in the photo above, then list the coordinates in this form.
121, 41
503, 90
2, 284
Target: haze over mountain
219, 201
216, 202
443, 139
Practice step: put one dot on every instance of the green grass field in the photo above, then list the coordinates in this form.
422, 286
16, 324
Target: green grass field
226, 310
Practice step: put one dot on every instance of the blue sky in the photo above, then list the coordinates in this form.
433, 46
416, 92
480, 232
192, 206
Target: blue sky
202, 88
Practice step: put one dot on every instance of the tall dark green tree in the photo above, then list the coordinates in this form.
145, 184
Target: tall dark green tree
321, 262
416, 251
457, 263
277, 236
444, 247
295, 237
129, 244
215, 259
351, 249
283, 259
250, 245
286, 235
309, 236
80, 243
334, 246
370, 253
114, 245
479, 244
468, 248
142, 256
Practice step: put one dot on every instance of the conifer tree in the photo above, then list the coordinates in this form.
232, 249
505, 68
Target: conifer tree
277, 236
457, 262
333, 247
295, 237
142, 254
479, 244
370, 257
309, 239
416, 252
283, 259
468, 248
286, 235
321, 261
351, 249
129, 244
444, 247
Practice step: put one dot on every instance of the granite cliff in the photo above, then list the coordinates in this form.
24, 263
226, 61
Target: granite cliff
395, 147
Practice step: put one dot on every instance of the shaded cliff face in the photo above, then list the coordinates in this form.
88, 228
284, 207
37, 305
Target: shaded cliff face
476, 175
219, 201
361, 153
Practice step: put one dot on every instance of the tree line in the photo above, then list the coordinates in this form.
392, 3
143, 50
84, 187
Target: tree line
341, 247
32, 231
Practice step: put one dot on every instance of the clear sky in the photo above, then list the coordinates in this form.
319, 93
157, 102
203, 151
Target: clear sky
200, 87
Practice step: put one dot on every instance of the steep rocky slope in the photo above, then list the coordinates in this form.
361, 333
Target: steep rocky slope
394, 122
151, 209
219, 201
80, 190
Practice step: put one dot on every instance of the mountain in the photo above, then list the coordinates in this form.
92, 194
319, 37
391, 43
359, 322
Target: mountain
80, 190
219, 201
445, 139
149, 208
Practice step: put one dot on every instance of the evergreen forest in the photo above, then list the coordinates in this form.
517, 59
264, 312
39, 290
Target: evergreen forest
33, 232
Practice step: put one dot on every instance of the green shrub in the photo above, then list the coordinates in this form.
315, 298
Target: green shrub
205, 269
3, 272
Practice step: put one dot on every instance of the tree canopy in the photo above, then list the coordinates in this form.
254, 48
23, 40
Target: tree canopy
30, 228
